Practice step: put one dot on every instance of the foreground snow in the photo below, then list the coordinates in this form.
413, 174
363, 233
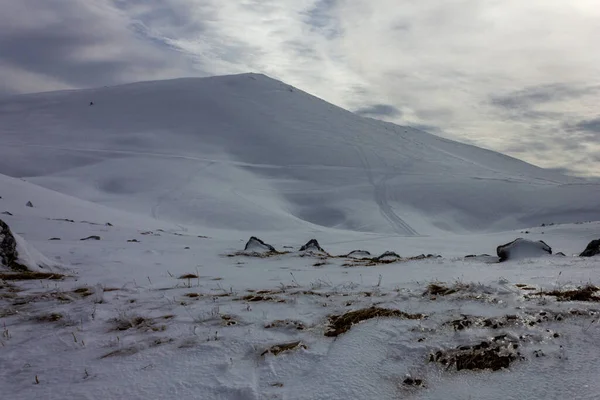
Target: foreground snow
122, 325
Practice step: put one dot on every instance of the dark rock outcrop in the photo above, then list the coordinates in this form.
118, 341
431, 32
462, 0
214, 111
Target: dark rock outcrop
93, 237
360, 254
8, 249
312, 245
256, 245
592, 249
523, 248
387, 256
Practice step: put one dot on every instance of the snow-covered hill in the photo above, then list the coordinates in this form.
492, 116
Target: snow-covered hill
250, 153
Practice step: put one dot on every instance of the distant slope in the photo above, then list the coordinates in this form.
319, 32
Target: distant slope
252, 153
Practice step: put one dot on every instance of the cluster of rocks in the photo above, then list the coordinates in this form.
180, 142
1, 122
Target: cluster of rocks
517, 249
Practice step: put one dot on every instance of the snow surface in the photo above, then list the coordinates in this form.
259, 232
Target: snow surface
192, 168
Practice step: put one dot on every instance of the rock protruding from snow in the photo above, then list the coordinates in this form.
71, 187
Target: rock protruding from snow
93, 237
388, 256
313, 246
523, 248
8, 248
255, 245
592, 249
16, 254
358, 254
29, 204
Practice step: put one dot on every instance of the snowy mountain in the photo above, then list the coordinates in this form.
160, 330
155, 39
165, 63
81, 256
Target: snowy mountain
251, 153
131, 208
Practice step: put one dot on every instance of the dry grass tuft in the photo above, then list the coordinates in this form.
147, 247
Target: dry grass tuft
29, 275
260, 297
188, 276
339, 324
84, 291
52, 317
494, 354
585, 293
123, 323
286, 324
437, 289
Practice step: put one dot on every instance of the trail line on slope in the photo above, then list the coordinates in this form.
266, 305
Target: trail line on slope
380, 192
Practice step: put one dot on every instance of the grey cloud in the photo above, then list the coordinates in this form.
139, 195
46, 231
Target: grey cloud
320, 18
81, 46
379, 110
536, 95
590, 125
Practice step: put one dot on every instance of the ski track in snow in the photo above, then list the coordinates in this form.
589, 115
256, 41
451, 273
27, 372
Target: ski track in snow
381, 198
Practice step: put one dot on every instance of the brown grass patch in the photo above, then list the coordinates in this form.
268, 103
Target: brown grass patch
280, 348
256, 254
269, 292
29, 275
257, 297
84, 291
287, 323
585, 293
52, 317
437, 289
494, 354
339, 324
124, 323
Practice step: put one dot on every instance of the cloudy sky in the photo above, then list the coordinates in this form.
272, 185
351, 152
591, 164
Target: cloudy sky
517, 76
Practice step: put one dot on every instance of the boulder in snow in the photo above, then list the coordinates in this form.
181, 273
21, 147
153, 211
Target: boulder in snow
387, 257
358, 254
523, 248
255, 245
592, 249
29, 204
17, 255
8, 249
312, 245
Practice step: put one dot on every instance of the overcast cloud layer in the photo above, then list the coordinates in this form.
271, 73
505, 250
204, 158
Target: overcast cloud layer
520, 77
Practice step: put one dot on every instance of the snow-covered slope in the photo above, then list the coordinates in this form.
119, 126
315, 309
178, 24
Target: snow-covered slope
147, 197
251, 153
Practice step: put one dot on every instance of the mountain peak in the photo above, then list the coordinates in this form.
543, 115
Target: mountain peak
249, 152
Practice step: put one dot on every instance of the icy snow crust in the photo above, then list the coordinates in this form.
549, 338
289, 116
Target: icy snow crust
175, 176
